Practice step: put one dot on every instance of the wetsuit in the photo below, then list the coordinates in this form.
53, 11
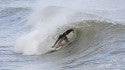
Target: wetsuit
63, 37
68, 31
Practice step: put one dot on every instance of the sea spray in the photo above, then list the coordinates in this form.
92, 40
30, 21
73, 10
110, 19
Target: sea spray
43, 28
46, 25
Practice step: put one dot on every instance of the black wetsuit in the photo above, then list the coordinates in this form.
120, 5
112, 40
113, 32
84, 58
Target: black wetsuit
65, 33
63, 37
68, 31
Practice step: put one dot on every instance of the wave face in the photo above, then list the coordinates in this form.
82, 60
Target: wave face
97, 42
46, 26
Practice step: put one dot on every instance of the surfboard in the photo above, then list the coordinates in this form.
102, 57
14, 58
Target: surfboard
51, 51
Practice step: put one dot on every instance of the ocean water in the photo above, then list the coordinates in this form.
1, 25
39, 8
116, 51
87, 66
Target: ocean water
28, 30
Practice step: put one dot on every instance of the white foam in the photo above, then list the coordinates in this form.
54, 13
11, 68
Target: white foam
43, 27
47, 18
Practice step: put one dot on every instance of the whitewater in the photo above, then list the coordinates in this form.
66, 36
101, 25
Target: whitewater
28, 30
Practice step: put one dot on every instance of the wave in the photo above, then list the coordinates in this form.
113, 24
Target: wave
92, 33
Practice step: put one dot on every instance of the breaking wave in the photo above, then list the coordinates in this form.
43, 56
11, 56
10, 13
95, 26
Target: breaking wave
93, 35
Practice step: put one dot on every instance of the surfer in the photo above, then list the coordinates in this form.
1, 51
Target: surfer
62, 37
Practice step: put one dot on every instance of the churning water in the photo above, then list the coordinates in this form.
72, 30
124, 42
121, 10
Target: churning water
28, 31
